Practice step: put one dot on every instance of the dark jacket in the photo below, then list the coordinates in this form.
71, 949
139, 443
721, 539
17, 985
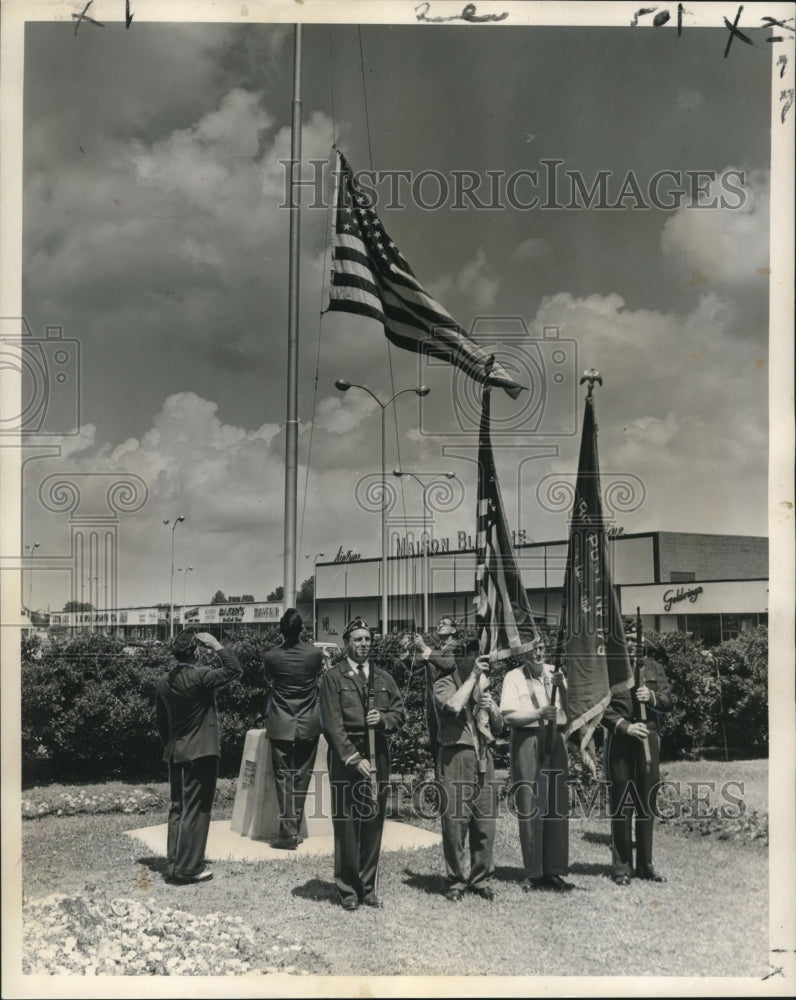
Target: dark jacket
292, 711
344, 707
623, 708
186, 707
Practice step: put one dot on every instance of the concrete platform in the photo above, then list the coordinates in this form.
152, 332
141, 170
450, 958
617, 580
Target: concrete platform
223, 844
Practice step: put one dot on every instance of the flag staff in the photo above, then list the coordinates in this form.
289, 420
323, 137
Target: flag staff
291, 423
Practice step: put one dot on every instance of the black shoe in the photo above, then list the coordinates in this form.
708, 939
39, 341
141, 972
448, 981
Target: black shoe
373, 901
352, 904
649, 875
285, 843
557, 884
533, 884
203, 876
454, 895
622, 879
483, 891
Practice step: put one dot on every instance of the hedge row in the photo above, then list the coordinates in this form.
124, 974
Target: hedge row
88, 705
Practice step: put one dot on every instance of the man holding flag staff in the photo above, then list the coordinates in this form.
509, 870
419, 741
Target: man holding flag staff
539, 769
467, 774
632, 763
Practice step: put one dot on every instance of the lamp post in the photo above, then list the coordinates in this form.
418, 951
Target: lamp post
171, 586
422, 390
431, 476
186, 571
314, 615
89, 581
32, 549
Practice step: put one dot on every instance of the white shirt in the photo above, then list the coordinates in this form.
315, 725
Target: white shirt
355, 667
516, 693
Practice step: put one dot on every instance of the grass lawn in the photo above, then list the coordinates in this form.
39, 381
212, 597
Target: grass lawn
709, 919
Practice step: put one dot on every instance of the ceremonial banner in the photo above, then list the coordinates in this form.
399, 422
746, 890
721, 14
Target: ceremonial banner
371, 277
591, 647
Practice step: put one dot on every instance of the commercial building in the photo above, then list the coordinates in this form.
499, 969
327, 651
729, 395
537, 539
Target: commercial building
713, 586
143, 624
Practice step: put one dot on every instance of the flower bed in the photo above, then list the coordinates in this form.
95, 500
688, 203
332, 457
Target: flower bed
130, 937
70, 800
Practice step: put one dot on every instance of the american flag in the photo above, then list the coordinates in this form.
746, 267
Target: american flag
371, 277
503, 617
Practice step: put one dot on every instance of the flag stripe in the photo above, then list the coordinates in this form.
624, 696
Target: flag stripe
367, 265
504, 620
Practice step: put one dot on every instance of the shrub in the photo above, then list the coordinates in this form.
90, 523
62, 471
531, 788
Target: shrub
733, 674
88, 708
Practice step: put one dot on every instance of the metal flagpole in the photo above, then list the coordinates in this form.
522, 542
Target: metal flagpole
291, 423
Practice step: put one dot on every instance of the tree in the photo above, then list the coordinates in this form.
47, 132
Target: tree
247, 599
276, 595
219, 597
305, 591
78, 606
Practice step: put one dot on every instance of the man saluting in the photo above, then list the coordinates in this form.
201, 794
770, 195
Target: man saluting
188, 725
358, 699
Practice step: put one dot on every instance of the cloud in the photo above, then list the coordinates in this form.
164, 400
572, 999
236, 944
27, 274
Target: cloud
534, 248
726, 246
475, 284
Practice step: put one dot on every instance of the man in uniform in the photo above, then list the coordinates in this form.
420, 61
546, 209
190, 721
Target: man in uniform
539, 769
632, 753
292, 721
188, 725
468, 789
438, 662
358, 700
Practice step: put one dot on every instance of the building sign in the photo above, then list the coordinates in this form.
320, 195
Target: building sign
346, 557
407, 545
202, 614
671, 597
234, 614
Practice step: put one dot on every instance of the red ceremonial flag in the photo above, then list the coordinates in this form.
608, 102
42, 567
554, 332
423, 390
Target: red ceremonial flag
371, 277
592, 646
503, 618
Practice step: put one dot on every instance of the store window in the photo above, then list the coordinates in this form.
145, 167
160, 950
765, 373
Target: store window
704, 627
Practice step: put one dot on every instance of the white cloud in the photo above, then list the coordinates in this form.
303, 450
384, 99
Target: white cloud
726, 246
533, 248
474, 284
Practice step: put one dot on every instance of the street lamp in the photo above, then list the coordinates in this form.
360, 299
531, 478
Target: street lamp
186, 571
171, 588
32, 549
89, 581
314, 616
431, 476
422, 390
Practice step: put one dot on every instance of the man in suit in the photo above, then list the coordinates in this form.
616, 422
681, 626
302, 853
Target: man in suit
187, 721
292, 721
358, 700
539, 769
468, 789
632, 753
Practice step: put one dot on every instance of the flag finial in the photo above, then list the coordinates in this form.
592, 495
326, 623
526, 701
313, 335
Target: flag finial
591, 376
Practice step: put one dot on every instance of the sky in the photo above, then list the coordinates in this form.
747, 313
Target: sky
153, 236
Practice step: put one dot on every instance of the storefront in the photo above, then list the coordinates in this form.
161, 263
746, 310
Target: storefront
657, 572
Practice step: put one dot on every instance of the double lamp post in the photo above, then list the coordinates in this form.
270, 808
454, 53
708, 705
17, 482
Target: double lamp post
422, 390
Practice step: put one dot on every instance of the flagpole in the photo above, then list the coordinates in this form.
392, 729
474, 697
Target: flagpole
291, 423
